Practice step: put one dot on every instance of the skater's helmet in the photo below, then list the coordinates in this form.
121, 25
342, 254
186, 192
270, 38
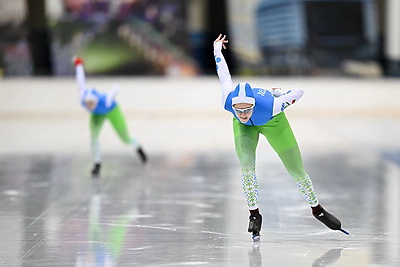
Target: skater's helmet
243, 94
90, 95
90, 99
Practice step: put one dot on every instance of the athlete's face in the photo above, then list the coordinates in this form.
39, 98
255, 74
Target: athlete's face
91, 104
243, 111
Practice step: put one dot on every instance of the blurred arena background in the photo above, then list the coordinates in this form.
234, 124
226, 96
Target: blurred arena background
345, 54
173, 37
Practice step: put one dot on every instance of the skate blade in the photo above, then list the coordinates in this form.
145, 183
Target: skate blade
344, 231
256, 238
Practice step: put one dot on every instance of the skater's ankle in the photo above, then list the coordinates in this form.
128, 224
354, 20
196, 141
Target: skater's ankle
317, 209
254, 212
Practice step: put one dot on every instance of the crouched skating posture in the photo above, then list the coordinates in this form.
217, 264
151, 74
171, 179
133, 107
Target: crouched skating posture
102, 106
260, 111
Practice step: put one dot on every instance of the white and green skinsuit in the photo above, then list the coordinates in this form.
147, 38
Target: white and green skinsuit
269, 120
106, 109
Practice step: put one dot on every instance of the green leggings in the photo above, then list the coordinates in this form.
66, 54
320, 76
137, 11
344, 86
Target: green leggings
117, 120
281, 138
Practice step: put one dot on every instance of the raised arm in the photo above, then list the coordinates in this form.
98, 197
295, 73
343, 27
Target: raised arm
80, 76
222, 68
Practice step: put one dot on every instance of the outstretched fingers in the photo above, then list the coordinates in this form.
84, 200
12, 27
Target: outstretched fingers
221, 38
218, 38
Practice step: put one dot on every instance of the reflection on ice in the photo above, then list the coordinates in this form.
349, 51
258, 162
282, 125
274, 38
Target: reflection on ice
330, 257
171, 217
255, 258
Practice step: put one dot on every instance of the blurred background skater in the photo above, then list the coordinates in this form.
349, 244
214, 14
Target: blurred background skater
256, 111
103, 106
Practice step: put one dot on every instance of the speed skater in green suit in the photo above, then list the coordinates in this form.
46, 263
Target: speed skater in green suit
102, 106
260, 111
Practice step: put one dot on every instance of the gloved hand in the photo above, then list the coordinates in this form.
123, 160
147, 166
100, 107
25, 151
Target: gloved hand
78, 61
277, 92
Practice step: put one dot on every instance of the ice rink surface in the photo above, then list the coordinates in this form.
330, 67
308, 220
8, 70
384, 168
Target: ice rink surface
186, 207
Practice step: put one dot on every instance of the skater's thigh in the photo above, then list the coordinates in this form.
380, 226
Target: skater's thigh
293, 162
246, 140
279, 133
280, 136
96, 123
118, 122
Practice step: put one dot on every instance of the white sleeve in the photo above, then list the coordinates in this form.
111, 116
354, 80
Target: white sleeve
80, 80
223, 72
111, 95
285, 100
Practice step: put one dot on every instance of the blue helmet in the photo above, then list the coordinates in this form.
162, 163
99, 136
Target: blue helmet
243, 94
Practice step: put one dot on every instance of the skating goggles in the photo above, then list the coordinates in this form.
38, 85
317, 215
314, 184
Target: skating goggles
239, 111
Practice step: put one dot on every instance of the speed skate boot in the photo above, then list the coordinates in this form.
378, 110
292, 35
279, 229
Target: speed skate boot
96, 170
328, 219
255, 222
142, 155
